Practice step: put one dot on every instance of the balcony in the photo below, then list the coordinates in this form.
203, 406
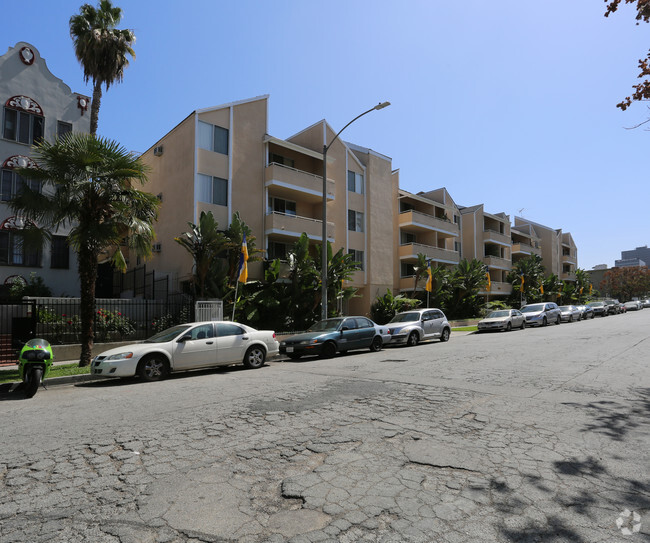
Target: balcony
411, 250
568, 259
416, 220
497, 288
497, 237
290, 227
498, 263
568, 276
296, 184
525, 249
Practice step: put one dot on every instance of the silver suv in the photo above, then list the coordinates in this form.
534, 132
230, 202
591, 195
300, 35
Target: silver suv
413, 326
542, 313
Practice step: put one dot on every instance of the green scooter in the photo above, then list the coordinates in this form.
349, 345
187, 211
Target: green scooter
34, 363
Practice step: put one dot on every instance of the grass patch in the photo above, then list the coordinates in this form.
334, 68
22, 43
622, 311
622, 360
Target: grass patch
63, 370
465, 328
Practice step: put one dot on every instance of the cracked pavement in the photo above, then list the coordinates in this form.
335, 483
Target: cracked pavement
539, 435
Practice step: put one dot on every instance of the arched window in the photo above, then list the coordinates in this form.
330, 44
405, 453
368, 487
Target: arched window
11, 184
23, 120
13, 249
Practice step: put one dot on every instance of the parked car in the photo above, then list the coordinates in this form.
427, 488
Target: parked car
188, 346
646, 303
586, 312
631, 306
599, 308
542, 313
502, 319
326, 338
613, 307
570, 313
417, 325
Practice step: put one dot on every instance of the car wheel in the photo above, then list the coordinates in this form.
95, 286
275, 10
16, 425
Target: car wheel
508, 327
294, 356
570, 318
254, 357
544, 322
328, 351
559, 320
376, 344
592, 315
413, 339
523, 325
445, 335
153, 368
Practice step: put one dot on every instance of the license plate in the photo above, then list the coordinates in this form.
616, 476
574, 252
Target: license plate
289, 349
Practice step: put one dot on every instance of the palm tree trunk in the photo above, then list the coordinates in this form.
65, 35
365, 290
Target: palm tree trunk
87, 278
94, 107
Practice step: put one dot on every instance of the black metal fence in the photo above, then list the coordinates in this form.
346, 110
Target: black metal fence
58, 319
141, 284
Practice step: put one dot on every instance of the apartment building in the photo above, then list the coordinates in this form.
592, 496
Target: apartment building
428, 223
486, 237
558, 250
223, 160
36, 105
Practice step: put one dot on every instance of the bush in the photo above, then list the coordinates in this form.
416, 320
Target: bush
385, 307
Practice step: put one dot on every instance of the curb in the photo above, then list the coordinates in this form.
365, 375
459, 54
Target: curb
56, 381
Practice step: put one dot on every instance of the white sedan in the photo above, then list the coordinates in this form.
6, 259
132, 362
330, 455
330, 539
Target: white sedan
188, 346
503, 319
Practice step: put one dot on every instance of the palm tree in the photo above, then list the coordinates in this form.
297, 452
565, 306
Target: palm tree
533, 271
234, 238
205, 243
89, 181
467, 280
419, 269
101, 49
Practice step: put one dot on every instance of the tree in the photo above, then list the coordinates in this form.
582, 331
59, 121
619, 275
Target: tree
626, 283
234, 237
340, 268
533, 271
205, 243
384, 308
87, 184
467, 280
642, 90
552, 287
101, 49
420, 269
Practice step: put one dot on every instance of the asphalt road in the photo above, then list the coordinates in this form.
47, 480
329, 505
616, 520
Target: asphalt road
534, 435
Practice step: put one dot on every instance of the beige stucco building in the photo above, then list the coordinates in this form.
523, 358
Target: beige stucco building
224, 160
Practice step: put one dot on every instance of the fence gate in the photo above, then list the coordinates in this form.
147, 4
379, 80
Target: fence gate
17, 325
208, 310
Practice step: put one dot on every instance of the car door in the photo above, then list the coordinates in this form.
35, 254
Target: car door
232, 341
349, 335
435, 323
196, 348
517, 318
428, 324
366, 332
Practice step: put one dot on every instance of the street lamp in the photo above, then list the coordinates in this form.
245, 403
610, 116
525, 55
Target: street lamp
381, 105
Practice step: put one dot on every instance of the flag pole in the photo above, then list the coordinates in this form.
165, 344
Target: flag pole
234, 302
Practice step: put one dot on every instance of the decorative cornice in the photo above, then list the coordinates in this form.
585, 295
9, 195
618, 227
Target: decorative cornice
24, 103
27, 56
19, 161
82, 102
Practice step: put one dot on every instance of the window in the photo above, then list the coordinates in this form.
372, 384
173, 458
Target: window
457, 246
213, 138
63, 128
11, 185
456, 219
355, 221
357, 256
355, 182
205, 331
407, 237
362, 322
277, 250
22, 127
60, 253
279, 205
14, 253
213, 190
406, 270
405, 206
225, 329
279, 159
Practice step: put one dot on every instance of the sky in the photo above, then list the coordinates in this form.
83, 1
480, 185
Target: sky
511, 104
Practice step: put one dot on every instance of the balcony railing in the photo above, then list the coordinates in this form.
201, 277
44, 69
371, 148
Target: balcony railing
411, 250
497, 262
568, 276
293, 226
497, 287
568, 259
417, 220
524, 248
496, 237
297, 184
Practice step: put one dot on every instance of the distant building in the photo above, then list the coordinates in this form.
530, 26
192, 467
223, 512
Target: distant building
36, 105
635, 257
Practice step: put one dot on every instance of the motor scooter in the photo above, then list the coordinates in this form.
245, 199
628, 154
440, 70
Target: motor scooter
34, 363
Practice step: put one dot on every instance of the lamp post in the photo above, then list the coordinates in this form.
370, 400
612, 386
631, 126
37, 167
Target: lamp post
326, 147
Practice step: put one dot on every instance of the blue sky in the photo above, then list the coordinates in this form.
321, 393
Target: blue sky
509, 103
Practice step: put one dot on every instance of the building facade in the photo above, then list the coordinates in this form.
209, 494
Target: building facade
36, 105
635, 257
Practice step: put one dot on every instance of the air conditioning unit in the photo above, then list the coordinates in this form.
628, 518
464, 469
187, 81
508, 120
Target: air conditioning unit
159, 196
158, 151
156, 247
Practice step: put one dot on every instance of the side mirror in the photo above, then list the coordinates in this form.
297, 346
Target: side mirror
186, 337
344, 328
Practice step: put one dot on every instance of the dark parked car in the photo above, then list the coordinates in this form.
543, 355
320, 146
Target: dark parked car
613, 307
340, 334
599, 309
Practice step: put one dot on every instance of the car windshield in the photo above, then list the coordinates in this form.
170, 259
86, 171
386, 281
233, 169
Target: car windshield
328, 325
565, 308
168, 334
406, 317
596, 304
532, 308
496, 314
